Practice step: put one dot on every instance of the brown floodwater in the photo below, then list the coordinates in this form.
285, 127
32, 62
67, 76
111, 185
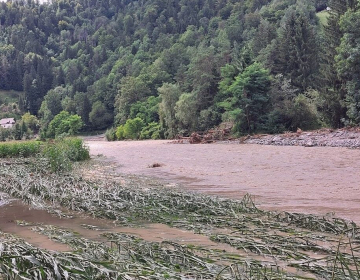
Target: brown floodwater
317, 180
14, 215
298, 179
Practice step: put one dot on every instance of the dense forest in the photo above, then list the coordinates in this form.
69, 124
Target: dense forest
161, 68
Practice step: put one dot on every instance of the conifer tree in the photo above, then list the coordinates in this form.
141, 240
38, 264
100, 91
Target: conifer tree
332, 87
297, 49
348, 62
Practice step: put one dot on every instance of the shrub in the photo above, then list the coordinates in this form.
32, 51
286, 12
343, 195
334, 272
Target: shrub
110, 134
133, 127
57, 156
151, 131
120, 133
62, 152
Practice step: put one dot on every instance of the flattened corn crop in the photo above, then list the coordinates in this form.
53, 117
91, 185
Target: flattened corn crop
270, 245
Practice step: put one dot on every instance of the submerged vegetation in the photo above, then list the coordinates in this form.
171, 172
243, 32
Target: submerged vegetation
266, 245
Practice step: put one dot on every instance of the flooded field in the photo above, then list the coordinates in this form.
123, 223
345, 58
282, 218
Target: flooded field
315, 180
18, 218
97, 221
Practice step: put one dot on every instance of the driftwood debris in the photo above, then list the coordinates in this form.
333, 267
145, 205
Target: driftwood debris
222, 133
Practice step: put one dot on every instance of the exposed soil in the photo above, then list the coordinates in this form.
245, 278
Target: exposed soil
316, 180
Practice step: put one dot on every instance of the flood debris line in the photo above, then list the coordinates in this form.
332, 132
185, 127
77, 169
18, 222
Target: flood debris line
346, 137
267, 245
221, 133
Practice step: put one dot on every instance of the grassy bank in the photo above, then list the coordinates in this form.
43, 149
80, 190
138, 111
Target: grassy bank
268, 245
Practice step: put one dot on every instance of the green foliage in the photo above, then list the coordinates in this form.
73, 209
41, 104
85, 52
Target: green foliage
110, 134
106, 60
9, 96
31, 122
296, 51
131, 91
64, 123
249, 101
4, 134
323, 17
292, 110
20, 149
60, 153
304, 114
99, 116
146, 110
120, 134
133, 128
151, 131
170, 94
136, 129
348, 62
186, 112
50, 107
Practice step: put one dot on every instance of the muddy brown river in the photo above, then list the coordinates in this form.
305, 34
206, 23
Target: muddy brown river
317, 180
297, 179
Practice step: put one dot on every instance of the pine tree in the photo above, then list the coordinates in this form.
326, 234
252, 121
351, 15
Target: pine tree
332, 87
348, 62
296, 51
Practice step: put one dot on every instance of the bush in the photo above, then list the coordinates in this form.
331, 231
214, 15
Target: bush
135, 129
62, 152
110, 134
132, 128
151, 131
57, 156
120, 133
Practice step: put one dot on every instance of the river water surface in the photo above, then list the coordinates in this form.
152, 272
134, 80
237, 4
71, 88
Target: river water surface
316, 180
297, 179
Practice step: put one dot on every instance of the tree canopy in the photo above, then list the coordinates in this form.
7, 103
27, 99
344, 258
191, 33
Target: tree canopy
182, 66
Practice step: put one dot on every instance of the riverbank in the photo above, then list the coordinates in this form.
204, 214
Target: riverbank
346, 138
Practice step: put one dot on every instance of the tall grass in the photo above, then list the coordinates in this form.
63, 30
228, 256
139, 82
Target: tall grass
19, 149
59, 153
62, 152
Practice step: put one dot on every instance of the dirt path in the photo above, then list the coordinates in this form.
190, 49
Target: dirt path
299, 179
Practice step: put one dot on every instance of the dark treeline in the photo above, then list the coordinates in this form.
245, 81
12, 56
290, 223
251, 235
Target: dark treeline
159, 68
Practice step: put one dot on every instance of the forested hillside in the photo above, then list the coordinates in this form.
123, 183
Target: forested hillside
159, 68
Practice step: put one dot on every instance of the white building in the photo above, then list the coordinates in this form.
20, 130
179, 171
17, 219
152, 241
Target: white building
7, 123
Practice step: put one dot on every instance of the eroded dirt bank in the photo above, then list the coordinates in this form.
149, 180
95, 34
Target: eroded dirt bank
315, 180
